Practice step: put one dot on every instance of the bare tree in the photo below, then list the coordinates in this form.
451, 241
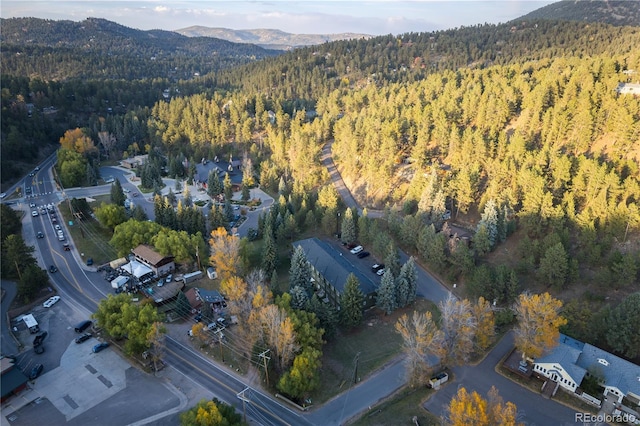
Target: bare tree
421, 339
108, 141
277, 332
458, 325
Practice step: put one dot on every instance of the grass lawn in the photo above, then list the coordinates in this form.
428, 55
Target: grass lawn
400, 409
376, 341
89, 237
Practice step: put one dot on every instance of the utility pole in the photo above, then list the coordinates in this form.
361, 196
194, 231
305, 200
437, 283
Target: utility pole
220, 335
264, 357
241, 396
355, 371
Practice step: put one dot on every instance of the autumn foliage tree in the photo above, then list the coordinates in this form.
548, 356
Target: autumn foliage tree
486, 323
539, 319
471, 409
225, 253
211, 413
420, 342
458, 325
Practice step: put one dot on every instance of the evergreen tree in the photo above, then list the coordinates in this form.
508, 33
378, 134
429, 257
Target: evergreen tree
217, 218
351, 301
300, 272
299, 297
227, 187
489, 220
554, 266
348, 233
387, 293
326, 313
214, 186
117, 194
392, 259
245, 192
139, 214
269, 253
407, 284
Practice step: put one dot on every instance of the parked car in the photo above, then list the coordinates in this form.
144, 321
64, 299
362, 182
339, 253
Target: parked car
34, 213
51, 301
100, 346
53, 269
377, 267
169, 278
89, 261
363, 254
357, 250
380, 272
58, 227
66, 247
39, 235
83, 338
82, 326
36, 371
32, 205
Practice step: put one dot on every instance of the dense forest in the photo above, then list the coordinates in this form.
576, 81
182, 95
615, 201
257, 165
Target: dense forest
516, 130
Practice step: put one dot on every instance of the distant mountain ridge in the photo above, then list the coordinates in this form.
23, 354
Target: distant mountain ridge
613, 12
267, 38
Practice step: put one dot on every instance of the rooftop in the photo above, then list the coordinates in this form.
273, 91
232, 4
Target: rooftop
333, 266
149, 254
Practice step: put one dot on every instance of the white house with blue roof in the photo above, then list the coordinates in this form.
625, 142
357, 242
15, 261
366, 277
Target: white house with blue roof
572, 360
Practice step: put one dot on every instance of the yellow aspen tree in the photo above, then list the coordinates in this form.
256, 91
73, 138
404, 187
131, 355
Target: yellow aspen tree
486, 323
471, 409
225, 253
458, 326
538, 323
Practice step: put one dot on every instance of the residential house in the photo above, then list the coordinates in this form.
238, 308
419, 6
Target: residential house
134, 162
329, 272
572, 360
194, 299
159, 264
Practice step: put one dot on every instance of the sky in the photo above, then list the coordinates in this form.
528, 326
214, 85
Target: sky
375, 17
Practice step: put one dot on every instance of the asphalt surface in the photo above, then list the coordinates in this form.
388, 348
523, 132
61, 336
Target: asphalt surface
533, 409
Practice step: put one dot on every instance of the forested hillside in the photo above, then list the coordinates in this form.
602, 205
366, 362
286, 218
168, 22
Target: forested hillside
516, 129
97, 48
614, 12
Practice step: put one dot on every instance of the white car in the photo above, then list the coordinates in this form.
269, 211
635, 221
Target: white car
357, 250
4, 194
58, 228
51, 301
34, 213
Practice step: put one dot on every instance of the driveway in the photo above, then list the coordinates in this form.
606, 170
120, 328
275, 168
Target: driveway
533, 409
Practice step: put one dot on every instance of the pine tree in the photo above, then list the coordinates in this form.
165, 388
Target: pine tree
348, 232
299, 272
228, 188
407, 283
214, 187
117, 194
269, 253
489, 220
392, 259
299, 297
351, 301
386, 299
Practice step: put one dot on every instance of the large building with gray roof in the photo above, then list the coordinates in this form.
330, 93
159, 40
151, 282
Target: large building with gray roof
329, 271
572, 360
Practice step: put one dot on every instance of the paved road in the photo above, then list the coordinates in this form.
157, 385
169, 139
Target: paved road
533, 409
8, 344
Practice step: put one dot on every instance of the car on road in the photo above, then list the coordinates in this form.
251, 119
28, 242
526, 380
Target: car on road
51, 301
37, 169
89, 261
4, 194
83, 326
66, 247
83, 338
53, 269
100, 346
32, 205
58, 227
39, 235
126, 190
380, 272
356, 250
34, 213
135, 194
36, 371
363, 254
